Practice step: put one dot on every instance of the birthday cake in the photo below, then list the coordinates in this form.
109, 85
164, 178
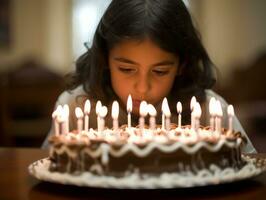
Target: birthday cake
154, 152
146, 150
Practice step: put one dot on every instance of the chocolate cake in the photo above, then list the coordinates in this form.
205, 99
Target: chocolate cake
126, 151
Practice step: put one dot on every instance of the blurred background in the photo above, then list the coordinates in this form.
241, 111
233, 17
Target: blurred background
41, 39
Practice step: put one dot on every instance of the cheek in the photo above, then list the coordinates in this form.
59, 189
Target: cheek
120, 86
163, 87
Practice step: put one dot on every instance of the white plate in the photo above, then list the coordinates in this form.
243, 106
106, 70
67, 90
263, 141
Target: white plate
212, 176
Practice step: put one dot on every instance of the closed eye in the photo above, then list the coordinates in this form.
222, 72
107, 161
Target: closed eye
126, 69
160, 72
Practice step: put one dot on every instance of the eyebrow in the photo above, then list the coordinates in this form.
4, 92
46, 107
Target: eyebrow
128, 61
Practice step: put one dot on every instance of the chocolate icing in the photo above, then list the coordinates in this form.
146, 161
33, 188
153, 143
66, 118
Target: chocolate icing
76, 154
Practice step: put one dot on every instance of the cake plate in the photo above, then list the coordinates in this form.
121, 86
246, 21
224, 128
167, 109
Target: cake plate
212, 176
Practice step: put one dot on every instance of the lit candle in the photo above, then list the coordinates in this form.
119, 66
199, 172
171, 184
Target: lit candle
143, 112
102, 113
152, 112
56, 125
167, 114
66, 116
87, 110
192, 104
97, 110
129, 110
197, 114
79, 115
231, 113
179, 111
219, 115
115, 113
60, 119
163, 116
212, 111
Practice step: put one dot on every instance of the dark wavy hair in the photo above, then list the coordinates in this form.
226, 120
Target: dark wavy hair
168, 24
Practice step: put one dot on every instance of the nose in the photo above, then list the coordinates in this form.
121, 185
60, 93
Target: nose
143, 84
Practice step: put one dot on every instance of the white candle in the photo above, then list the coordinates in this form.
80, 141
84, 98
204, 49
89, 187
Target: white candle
231, 113
192, 104
60, 119
66, 116
197, 114
97, 110
212, 111
87, 110
115, 113
79, 115
167, 114
152, 112
56, 125
219, 115
143, 112
179, 111
129, 110
102, 113
163, 115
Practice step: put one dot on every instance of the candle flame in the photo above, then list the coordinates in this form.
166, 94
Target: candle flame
66, 110
164, 102
115, 110
151, 110
197, 110
230, 110
129, 103
103, 111
165, 108
55, 114
59, 109
98, 107
219, 110
179, 107
193, 102
143, 108
212, 105
78, 112
87, 107
60, 114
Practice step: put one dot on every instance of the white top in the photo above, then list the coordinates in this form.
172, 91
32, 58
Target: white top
69, 97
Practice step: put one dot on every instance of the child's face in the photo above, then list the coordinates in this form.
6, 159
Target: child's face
143, 70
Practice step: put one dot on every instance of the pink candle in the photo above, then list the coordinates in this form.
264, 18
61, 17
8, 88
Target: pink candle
197, 114
212, 104
115, 113
152, 112
102, 113
167, 114
87, 109
192, 104
97, 110
179, 111
60, 119
163, 115
56, 125
231, 113
66, 117
129, 110
143, 112
219, 115
79, 115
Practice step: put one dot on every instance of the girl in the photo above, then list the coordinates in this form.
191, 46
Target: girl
151, 50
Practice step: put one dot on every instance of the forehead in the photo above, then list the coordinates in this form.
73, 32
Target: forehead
139, 49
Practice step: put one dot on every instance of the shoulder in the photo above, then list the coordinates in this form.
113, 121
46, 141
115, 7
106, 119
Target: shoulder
67, 97
211, 93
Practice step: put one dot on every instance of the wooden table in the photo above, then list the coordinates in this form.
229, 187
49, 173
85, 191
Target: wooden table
16, 183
